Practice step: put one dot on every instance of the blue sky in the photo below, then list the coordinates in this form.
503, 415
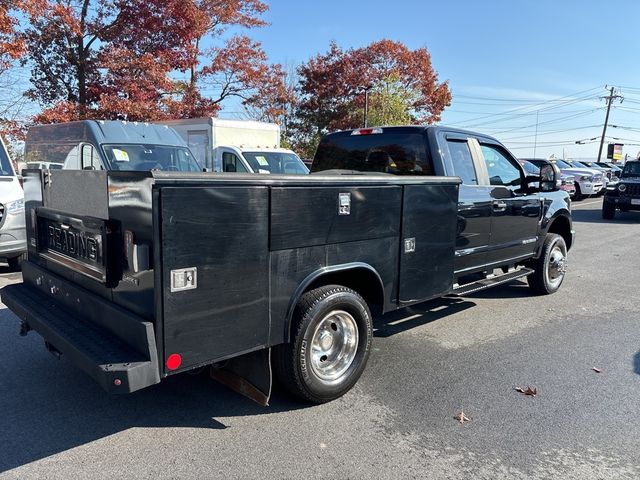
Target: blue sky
499, 56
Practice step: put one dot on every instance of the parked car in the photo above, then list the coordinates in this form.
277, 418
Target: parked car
13, 240
625, 195
567, 182
45, 165
616, 169
609, 178
587, 181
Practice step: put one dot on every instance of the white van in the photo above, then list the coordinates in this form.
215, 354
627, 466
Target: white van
13, 238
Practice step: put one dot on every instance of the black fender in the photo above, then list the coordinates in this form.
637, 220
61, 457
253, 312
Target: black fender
560, 223
355, 275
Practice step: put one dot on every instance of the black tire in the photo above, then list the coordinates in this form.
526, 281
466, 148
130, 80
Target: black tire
15, 263
550, 268
578, 195
304, 375
608, 210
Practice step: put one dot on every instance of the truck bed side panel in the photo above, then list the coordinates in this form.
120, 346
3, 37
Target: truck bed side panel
303, 217
223, 233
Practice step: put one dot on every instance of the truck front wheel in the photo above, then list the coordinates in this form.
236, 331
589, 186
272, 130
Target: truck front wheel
330, 343
550, 268
608, 210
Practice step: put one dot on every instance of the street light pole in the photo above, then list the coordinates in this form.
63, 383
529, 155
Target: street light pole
366, 104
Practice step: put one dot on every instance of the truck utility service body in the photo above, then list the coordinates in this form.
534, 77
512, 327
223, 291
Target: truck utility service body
122, 276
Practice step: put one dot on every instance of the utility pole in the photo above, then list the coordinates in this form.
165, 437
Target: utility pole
609, 98
535, 144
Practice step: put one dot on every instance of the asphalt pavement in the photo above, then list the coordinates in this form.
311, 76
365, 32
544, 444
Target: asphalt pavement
428, 363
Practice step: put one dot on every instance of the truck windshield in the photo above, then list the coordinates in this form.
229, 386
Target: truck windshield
276, 162
397, 153
631, 169
5, 163
150, 157
562, 164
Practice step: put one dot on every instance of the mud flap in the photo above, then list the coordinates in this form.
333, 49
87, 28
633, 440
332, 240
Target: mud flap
248, 375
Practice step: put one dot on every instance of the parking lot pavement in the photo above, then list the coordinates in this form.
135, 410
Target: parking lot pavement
428, 363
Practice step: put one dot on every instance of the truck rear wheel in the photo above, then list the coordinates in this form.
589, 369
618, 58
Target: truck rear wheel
550, 268
331, 336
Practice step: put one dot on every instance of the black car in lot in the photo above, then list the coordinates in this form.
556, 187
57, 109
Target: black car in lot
625, 195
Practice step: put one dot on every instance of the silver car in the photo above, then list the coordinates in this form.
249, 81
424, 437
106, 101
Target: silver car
13, 240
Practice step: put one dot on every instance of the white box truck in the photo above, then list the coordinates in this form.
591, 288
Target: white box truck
237, 146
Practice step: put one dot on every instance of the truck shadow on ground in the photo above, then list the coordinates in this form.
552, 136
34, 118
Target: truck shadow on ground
49, 406
594, 215
417, 315
636, 363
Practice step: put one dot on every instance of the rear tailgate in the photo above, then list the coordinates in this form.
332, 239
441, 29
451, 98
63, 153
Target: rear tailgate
89, 264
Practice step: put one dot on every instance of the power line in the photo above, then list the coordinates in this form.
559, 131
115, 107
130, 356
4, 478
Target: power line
550, 132
549, 121
571, 98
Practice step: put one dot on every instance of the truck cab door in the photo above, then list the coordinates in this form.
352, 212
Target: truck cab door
232, 162
515, 211
474, 204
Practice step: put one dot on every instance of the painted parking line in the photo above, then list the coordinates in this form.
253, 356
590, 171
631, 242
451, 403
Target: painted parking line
583, 203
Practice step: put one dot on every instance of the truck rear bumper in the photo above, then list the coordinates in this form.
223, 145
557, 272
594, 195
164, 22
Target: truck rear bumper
119, 363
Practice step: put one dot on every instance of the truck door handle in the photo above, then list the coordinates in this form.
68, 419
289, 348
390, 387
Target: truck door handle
499, 206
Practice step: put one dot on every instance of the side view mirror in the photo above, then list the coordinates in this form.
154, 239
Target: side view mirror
549, 178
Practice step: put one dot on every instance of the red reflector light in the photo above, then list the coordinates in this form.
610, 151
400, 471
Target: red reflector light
367, 131
174, 361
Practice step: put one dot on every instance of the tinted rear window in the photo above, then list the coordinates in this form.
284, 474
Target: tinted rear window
396, 153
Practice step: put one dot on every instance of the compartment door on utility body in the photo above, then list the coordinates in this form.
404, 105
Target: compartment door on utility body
474, 203
515, 212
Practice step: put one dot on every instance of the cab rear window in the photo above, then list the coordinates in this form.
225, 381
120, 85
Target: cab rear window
395, 153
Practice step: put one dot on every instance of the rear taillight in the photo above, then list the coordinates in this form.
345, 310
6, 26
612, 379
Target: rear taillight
173, 361
366, 131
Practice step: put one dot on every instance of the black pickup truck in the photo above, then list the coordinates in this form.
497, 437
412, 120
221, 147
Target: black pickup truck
136, 276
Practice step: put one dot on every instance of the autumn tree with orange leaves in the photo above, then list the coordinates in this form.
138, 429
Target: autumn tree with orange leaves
11, 45
403, 89
144, 59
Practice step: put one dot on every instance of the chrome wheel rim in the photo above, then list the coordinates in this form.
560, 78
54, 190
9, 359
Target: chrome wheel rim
557, 266
334, 345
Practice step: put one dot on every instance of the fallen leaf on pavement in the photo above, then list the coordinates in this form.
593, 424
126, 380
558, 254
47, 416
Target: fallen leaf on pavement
532, 392
461, 417
596, 369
